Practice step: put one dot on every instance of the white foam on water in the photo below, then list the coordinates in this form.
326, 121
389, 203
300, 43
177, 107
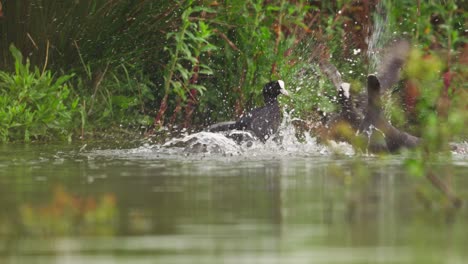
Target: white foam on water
217, 146
206, 143
460, 153
221, 145
284, 144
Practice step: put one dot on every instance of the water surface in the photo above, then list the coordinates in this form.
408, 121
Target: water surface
150, 204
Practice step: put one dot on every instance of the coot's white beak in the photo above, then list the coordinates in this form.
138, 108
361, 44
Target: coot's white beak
282, 90
346, 87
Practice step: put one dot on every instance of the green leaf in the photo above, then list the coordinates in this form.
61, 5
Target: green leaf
204, 69
204, 9
273, 8
16, 54
184, 72
62, 79
199, 88
415, 167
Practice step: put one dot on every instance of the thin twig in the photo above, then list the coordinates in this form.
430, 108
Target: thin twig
83, 105
88, 72
229, 42
47, 58
96, 83
32, 40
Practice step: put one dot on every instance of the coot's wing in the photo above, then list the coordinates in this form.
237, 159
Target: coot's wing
245, 121
394, 57
266, 121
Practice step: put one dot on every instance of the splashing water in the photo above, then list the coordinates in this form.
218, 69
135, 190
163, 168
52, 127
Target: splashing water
377, 39
220, 146
205, 142
227, 144
285, 143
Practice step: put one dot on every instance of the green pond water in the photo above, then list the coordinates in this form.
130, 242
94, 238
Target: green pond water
105, 204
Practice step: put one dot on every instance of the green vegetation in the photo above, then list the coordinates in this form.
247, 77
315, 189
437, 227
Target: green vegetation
97, 65
34, 104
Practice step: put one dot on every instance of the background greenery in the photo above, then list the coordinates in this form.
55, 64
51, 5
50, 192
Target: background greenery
99, 65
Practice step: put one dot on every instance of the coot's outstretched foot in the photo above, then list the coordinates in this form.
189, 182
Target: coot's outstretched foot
394, 138
263, 121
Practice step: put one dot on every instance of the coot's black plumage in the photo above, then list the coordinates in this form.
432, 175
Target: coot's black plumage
348, 113
263, 121
394, 138
370, 114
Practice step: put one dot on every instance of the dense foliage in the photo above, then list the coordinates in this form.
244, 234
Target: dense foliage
34, 104
150, 64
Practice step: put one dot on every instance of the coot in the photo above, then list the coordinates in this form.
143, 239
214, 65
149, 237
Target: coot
394, 138
263, 121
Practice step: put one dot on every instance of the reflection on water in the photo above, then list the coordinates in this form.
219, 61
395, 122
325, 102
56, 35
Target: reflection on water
154, 205
67, 213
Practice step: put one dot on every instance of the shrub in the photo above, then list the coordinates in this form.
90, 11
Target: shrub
34, 104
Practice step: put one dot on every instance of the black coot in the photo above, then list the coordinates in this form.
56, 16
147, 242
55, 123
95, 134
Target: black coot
263, 121
394, 138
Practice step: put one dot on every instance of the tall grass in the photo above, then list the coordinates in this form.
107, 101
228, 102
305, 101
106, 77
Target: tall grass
104, 31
